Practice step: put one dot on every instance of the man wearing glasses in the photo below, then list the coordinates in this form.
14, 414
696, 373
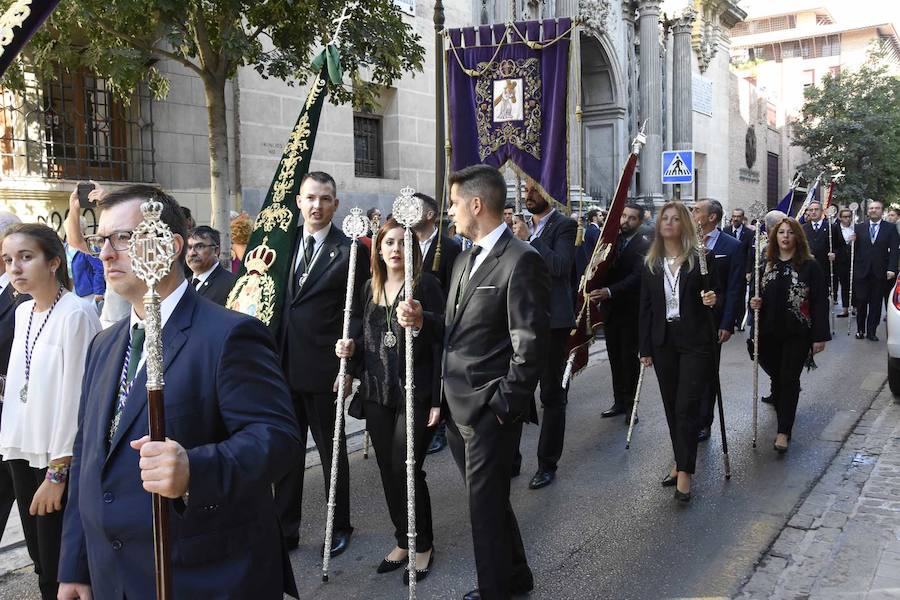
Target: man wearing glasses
209, 278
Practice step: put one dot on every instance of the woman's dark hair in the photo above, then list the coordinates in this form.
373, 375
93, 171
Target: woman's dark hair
49, 243
801, 246
379, 267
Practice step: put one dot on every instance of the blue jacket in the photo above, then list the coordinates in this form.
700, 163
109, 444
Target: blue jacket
728, 259
227, 403
87, 275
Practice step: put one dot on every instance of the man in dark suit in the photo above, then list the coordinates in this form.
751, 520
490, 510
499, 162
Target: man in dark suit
739, 231
817, 229
230, 434
208, 277
497, 331
620, 301
427, 234
727, 265
875, 262
9, 300
552, 234
584, 252
312, 323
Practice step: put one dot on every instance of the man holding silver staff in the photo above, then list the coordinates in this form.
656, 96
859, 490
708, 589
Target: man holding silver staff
818, 228
842, 262
874, 264
497, 330
230, 433
312, 322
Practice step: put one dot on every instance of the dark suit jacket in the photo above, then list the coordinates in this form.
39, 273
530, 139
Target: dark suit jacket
746, 238
314, 315
227, 403
875, 258
9, 300
624, 280
450, 249
694, 315
556, 245
495, 342
727, 262
217, 286
818, 243
584, 252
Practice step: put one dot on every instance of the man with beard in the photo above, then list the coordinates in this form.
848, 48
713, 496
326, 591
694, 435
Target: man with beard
619, 301
552, 234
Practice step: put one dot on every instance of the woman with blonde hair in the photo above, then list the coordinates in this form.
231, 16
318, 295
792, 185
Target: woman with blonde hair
793, 319
677, 336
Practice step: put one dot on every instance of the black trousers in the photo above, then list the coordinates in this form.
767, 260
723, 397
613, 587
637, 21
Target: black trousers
622, 347
783, 359
869, 295
484, 454
683, 372
554, 399
317, 413
42, 534
740, 308
387, 428
842, 282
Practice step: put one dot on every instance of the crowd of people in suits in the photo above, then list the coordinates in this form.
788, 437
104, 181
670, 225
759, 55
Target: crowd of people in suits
491, 312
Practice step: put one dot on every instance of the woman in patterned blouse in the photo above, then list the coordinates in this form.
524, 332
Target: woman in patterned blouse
793, 319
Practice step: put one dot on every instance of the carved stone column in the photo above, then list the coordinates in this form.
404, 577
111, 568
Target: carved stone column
682, 98
650, 90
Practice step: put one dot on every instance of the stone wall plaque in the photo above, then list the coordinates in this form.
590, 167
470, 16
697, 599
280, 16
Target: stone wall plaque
702, 91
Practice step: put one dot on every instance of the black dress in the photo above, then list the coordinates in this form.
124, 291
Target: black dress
794, 315
382, 399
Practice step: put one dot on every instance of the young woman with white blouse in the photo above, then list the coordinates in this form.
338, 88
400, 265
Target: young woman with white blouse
43, 387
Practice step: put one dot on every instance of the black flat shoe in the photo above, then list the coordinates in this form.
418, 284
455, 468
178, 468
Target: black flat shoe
768, 400
669, 480
388, 565
339, 542
872, 338
842, 315
541, 479
473, 595
682, 496
420, 575
612, 411
860, 335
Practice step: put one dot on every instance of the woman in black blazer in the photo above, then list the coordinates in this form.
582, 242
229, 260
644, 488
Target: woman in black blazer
678, 335
379, 364
793, 318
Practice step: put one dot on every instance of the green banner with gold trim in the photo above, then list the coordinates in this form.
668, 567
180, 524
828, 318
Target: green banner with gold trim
260, 288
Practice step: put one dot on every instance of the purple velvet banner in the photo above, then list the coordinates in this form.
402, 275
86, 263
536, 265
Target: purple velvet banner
508, 102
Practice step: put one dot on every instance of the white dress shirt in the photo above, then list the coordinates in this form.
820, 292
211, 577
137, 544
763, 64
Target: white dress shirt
166, 308
426, 245
43, 428
847, 232
487, 244
202, 277
4, 281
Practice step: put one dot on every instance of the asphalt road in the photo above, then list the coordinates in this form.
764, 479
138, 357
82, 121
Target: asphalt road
606, 528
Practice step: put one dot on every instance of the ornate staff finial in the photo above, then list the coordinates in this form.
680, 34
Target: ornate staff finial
355, 224
408, 210
152, 246
757, 209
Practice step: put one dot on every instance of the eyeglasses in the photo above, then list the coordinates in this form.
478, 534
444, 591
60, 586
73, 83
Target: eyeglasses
118, 239
201, 247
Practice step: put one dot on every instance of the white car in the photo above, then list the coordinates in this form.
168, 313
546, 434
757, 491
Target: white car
893, 340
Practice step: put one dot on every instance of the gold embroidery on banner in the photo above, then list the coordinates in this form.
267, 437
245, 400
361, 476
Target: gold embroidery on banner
525, 134
14, 17
254, 293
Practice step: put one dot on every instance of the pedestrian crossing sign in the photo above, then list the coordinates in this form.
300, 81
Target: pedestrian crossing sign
678, 166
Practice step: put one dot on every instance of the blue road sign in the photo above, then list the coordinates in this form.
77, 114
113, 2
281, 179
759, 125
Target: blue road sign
678, 166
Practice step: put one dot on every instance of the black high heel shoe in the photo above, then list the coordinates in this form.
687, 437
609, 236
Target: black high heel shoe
387, 565
669, 480
420, 574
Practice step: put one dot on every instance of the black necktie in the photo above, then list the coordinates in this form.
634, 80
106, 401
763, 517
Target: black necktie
194, 282
308, 253
466, 274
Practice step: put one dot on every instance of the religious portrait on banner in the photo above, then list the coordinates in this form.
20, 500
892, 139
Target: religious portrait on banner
508, 100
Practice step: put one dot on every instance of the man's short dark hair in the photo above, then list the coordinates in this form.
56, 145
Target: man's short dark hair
172, 214
715, 208
509, 206
634, 206
740, 210
371, 212
321, 177
482, 181
591, 214
871, 200
429, 202
208, 233
845, 210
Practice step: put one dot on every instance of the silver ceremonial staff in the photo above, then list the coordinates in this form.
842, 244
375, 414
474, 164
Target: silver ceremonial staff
637, 399
854, 206
830, 214
758, 212
152, 249
374, 226
408, 211
355, 226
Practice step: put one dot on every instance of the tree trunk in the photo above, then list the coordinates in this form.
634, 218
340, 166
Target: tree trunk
218, 163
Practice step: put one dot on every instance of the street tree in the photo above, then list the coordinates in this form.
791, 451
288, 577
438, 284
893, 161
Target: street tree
851, 123
123, 40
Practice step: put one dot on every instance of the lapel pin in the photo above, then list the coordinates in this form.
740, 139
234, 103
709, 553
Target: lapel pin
331, 255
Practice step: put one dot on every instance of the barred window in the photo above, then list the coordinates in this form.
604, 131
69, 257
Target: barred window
367, 146
71, 127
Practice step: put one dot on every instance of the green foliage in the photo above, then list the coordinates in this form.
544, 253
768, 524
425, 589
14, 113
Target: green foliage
123, 40
851, 122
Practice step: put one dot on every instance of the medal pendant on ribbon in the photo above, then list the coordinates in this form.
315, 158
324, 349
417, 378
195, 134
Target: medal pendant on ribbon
302, 280
390, 340
23, 394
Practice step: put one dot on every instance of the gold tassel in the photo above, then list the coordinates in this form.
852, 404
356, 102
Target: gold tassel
579, 236
436, 263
